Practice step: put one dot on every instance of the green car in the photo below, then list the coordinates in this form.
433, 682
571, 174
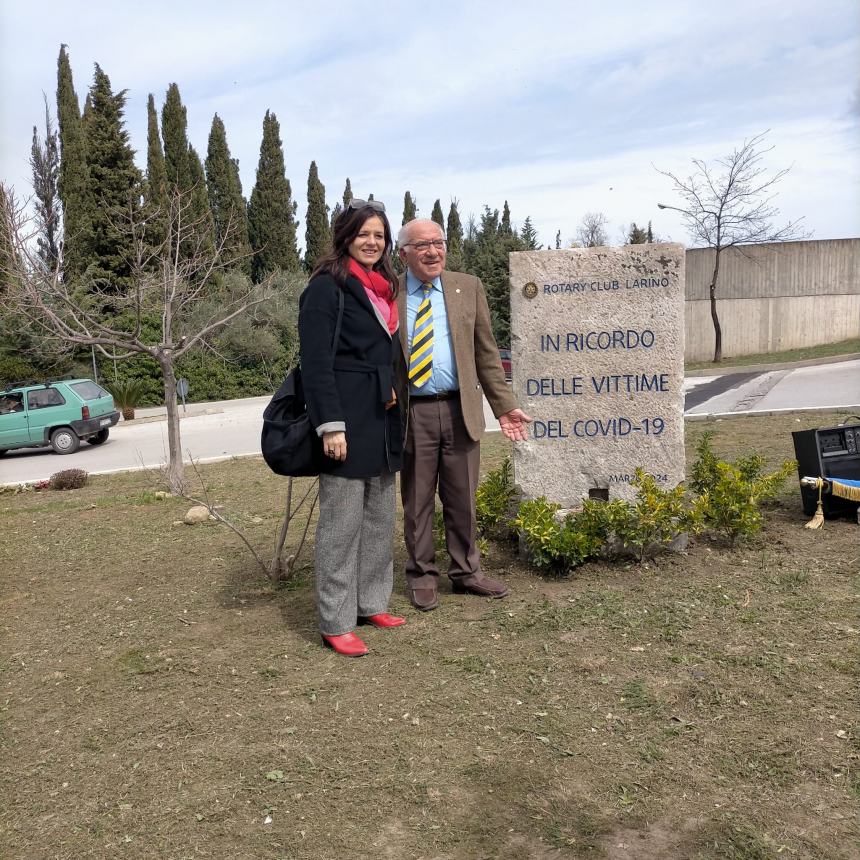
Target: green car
58, 414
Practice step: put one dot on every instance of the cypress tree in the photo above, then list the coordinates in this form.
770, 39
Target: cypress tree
410, 210
482, 253
528, 236
74, 177
87, 112
156, 174
454, 235
649, 235
173, 129
271, 211
200, 210
114, 180
338, 208
558, 240
438, 215
45, 164
229, 213
486, 253
505, 228
636, 235
6, 254
317, 233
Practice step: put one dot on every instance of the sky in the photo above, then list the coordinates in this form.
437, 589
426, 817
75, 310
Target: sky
560, 108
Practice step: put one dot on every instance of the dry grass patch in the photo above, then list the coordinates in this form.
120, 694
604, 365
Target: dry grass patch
160, 699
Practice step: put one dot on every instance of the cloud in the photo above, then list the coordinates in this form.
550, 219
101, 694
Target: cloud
544, 105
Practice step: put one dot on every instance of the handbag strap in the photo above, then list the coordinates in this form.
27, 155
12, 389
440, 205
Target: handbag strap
336, 337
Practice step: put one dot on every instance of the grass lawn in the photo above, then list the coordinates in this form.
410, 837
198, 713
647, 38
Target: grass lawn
161, 699
825, 350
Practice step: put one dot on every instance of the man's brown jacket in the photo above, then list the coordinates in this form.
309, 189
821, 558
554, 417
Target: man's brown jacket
479, 367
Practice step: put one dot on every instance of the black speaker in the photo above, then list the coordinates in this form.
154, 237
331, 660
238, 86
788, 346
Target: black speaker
830, 452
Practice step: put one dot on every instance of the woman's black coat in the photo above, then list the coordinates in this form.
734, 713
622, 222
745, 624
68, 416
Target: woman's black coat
354, 384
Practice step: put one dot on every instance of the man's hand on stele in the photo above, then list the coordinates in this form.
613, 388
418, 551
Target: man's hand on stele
513, 425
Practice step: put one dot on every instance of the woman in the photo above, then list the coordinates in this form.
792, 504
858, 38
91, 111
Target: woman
348, 386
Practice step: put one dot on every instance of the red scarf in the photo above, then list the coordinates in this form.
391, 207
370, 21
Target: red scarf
378, 290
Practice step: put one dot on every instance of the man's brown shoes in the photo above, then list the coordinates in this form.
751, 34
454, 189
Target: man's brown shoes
483, 586
423, 599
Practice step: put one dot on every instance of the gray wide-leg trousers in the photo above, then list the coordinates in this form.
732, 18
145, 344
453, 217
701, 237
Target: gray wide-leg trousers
354, 564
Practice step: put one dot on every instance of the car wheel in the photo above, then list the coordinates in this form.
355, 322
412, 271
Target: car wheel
65, 441
100, 437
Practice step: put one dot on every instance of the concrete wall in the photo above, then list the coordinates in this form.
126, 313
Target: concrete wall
774, 297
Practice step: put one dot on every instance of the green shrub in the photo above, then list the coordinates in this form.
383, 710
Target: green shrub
727, 499
493, 500
642, 528
127, 395
558, 546
14, 370
730, 493
704, 471
141, 369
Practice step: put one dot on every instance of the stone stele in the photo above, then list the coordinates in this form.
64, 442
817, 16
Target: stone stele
598, 362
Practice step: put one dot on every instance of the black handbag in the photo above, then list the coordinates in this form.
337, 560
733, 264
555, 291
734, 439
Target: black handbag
290, 444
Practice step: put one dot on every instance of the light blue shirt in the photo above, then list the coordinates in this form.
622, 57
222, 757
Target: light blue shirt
444, 376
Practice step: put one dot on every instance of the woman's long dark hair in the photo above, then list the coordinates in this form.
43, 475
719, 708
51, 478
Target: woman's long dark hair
346, 228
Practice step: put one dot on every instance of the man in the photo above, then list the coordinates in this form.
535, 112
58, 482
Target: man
451, 362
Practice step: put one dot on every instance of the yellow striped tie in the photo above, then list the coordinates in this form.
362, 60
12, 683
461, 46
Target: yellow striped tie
421, 354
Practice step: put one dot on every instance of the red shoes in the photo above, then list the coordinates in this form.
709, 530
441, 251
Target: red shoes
347, 644
350, 645
382, 619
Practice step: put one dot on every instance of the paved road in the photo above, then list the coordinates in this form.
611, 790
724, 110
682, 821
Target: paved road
217, 431
822, 386
210, 431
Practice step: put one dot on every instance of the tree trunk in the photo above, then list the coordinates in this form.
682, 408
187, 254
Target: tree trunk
718, 332
276, 570
175, 467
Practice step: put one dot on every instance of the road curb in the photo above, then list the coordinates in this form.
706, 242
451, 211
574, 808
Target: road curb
149, 419
839, 410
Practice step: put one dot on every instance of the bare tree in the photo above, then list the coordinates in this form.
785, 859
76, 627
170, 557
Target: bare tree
173, 270
591, 233
280, 569
730, 203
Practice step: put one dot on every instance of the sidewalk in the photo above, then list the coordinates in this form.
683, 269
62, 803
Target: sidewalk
212, 407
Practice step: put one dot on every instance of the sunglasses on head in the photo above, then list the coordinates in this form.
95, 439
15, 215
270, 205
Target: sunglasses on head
376, 205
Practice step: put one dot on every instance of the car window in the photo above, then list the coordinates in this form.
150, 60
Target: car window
42, 397
11, 403
88, 390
